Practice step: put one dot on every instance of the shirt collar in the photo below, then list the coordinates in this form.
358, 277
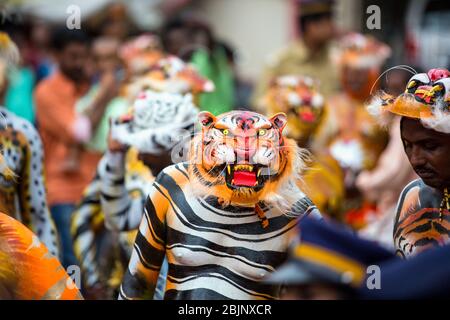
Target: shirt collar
68, 86
304, 54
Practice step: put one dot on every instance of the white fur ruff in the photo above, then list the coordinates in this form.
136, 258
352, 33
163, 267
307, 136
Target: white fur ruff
439, 122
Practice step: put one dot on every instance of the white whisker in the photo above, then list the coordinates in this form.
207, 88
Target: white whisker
403, 67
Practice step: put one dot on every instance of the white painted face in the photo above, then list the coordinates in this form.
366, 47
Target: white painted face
159, 121
157, 109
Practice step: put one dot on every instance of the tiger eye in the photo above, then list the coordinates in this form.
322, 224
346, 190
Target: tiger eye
261, 132
225, 132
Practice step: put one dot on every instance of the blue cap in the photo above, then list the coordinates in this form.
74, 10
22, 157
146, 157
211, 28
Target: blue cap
326, 251
424, 276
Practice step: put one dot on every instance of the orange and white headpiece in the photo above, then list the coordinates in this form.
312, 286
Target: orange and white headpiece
361, 52
141, 53
297, 96
427, 97
156, 122
171, 74
164, 106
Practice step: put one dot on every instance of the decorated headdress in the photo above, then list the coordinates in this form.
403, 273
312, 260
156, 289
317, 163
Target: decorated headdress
356, 51
141, 53
299, 98
427, 97
171, 74
361, 51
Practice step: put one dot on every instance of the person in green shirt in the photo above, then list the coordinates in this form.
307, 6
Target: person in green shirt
193, 41
21, 79
106, 59
19, 96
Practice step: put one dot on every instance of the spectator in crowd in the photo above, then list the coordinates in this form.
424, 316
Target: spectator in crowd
61, 128
41, 58
243, 88
21, 78
309, 55
193, 40
105, 64
113, 21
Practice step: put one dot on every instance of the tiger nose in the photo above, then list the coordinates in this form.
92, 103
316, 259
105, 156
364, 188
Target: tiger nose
245, 148
307, 100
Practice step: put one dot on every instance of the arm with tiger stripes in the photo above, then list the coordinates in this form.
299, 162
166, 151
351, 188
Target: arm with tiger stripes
141, 277
83, 225
407, 214
31, 187
122, 211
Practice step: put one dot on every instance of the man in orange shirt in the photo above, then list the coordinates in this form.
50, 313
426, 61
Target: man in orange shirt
61, 128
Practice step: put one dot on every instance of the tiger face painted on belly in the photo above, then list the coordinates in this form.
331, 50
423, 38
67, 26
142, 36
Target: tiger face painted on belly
421, 223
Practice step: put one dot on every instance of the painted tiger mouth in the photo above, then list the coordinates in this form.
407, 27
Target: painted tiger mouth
246, 176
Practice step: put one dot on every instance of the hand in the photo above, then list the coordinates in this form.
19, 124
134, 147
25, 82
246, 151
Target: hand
363, 181
109, 84
113, 144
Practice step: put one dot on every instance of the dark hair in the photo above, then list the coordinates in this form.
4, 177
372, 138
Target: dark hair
190, 24
230, 53
303, 21
62, 37
171, 25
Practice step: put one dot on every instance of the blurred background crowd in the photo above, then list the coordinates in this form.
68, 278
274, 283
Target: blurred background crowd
260, 55
245, 36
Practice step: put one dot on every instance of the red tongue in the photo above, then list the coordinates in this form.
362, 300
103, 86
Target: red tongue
307, 116
244, 178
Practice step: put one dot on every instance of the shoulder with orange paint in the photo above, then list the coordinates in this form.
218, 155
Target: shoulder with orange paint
409, 200
37, 274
